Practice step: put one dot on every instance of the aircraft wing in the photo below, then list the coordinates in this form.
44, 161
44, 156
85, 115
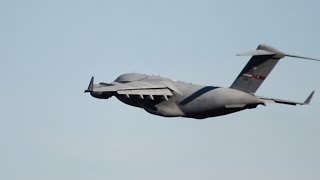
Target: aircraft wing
154, 92
136, 88
115, 86
274, 100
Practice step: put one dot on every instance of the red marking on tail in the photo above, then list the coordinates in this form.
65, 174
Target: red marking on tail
255, 76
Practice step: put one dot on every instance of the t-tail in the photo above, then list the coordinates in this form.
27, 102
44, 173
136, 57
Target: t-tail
263, 60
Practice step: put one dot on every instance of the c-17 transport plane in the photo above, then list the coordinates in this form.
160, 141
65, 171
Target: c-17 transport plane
169, 98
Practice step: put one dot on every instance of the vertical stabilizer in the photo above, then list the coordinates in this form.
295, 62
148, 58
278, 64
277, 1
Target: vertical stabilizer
263, 60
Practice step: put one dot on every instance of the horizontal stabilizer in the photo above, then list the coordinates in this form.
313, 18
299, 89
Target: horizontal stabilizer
301, 57
258, 52
280, 101
272, 51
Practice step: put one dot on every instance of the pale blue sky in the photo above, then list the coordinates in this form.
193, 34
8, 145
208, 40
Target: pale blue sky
50, 129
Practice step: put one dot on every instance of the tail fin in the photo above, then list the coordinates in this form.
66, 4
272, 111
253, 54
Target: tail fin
263, 60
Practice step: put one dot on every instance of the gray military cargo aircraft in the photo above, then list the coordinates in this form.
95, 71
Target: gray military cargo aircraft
170, 98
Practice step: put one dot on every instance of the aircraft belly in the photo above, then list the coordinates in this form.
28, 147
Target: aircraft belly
165, 108
157, 106
195, 101
204, 103
217, 102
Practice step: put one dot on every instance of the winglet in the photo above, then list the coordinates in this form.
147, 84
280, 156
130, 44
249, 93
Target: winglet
308, 100
273, 100
90, 87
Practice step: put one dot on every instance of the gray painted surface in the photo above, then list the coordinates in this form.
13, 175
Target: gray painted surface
169, 98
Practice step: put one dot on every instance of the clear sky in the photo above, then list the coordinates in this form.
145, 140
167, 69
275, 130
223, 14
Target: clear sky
51, 130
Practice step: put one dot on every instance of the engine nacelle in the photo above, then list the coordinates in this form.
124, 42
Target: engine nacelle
101, 95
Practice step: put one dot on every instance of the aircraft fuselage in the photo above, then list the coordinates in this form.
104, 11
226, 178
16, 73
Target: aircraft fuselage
188, 100
170, 98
